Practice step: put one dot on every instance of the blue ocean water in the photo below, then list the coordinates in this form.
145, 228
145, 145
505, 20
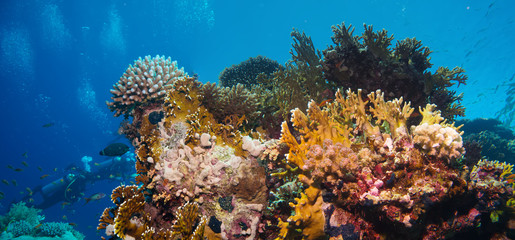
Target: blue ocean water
58, 60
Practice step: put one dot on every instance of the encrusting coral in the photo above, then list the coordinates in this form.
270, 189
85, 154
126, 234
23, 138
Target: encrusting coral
238, 163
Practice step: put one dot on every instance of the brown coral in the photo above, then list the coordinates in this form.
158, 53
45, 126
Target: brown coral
368, 62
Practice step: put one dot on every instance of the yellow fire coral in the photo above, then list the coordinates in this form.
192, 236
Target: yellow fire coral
320, 125
355, 143
308, 216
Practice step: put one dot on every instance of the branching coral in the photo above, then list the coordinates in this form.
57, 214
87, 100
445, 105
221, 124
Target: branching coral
146, 81
369, 62
300, 81
22, 222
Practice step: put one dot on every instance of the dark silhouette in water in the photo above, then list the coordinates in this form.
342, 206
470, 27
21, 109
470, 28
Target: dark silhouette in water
114, 149
485, 124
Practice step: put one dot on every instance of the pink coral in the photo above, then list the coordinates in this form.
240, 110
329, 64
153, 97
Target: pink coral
330, 161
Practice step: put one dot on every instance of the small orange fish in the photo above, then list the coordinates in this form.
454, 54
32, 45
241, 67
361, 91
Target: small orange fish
65, 217
31, 200
38, 226
5, 182
14, 182
24, 163
72, 224
48, 125
10, 167
40, 169
55, 169
25, 155
96, 164
325, 102
18, 169
44, 176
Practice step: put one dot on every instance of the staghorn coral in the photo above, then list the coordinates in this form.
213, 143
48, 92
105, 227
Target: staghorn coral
146, 81
246, 72
369, 62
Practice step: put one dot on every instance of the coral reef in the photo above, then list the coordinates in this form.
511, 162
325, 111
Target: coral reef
22, 222
246, 72
492, 140
369, 62
191, 166
507, 113
146, 81
215, 163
